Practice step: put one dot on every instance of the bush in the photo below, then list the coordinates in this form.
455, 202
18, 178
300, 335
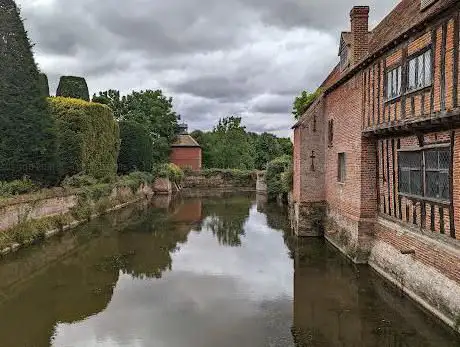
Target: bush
73, 87
88, 138
242, 178
44, 85
275, 170
79, 181
136, 148
27, 141
171, 171
17, 187
287, 178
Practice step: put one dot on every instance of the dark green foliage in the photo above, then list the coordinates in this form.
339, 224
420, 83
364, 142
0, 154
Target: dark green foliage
152, 110
112, 99
79, 181
136, 149
44, 85
274, 177
73, 87
88, 138
27, 141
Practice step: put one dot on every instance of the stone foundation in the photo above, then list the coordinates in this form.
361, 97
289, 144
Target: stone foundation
307, 219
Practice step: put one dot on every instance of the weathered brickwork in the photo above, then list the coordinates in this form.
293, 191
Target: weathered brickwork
186, 157
399, 100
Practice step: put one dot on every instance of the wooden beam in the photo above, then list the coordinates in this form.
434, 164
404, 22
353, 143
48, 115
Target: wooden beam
451, 186
443, 66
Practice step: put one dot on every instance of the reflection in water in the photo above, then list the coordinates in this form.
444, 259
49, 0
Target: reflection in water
154, 275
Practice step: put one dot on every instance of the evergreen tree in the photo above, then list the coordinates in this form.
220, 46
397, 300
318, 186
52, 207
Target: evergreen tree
27, 139
44, 84
73, 87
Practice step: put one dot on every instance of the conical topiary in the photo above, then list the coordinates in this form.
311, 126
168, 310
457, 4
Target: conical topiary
27, 138
45, 88
73, 87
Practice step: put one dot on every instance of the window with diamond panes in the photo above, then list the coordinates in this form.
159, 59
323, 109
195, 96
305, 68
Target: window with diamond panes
394, 78
410, 173
419, 71
437, 181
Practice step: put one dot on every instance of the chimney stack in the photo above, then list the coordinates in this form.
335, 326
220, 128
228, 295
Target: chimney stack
359, 32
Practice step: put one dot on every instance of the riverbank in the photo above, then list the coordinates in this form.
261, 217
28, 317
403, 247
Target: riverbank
31, 218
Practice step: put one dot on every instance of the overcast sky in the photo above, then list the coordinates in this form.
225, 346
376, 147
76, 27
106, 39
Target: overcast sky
215, 57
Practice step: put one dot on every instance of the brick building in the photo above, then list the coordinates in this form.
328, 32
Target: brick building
185, 151
377, 155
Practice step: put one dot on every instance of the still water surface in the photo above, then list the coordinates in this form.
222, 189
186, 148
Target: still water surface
201, 272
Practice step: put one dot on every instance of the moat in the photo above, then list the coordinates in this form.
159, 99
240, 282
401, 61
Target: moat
201, 272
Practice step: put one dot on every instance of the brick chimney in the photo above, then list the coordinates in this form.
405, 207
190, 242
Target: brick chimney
359, 32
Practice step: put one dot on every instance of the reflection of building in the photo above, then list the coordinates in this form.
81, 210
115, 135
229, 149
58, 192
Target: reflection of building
185, 151
189, 211
336, 304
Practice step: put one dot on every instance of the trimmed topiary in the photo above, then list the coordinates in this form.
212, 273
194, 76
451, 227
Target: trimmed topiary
136, 149
73, 87
88, 138
44, 85
27, 140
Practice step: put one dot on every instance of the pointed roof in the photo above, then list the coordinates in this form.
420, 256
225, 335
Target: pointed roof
185, 140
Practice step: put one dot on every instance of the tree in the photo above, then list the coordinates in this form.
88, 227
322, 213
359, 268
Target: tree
302, 102
112, 99
136, 149
286, 145
152, 110
73, 87
267, 148
44, 85
232, 148
27, 141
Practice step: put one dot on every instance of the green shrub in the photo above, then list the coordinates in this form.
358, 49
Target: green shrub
287, 178
44, 85
136, 148
171, 171
78, 181
17, 187
73, 87
27, 138
275, 170
88, 138
135, 179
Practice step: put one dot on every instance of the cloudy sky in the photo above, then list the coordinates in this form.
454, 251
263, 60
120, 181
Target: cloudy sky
215, 57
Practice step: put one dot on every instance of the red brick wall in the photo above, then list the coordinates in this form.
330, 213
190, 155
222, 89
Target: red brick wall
356, 197
186, 157
309, 148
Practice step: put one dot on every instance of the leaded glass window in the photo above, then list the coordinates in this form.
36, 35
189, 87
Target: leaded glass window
437, 163
419, 71
432, 166
410, 173
394, 78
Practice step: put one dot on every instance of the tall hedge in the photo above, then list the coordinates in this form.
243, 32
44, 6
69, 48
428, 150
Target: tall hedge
44, 85
136, 149
88, 137
27, 139
73, 87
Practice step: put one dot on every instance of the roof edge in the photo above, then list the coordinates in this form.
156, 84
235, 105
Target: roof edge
372, 56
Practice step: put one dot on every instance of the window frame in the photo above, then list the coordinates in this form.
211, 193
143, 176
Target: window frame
341, 167
393, 72
428, 79
430, 148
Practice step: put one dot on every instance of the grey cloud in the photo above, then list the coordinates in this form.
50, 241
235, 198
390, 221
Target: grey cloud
215, 58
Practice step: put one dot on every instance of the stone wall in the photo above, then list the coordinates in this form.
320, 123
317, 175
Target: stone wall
217, 181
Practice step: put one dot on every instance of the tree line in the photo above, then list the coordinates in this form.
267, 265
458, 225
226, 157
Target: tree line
230, 146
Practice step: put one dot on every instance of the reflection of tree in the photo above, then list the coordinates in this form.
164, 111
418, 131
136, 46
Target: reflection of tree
226, 218
146, 247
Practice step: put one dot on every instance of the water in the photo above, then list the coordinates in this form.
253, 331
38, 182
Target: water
201, 272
